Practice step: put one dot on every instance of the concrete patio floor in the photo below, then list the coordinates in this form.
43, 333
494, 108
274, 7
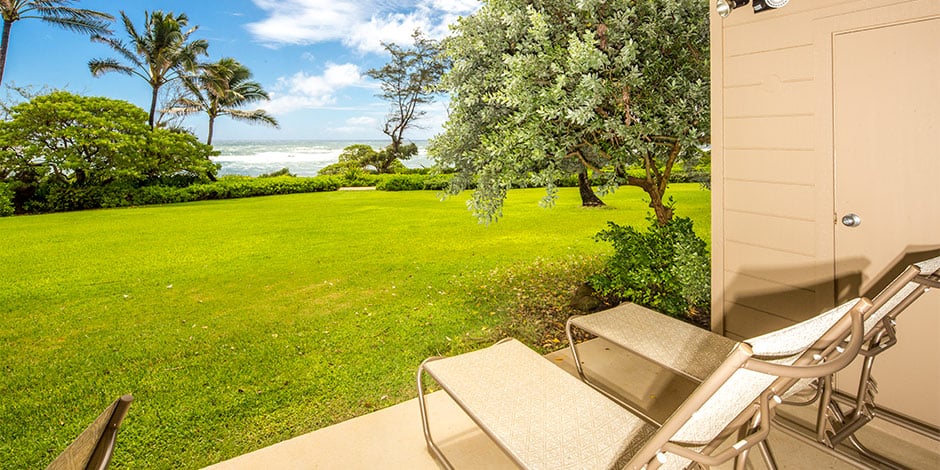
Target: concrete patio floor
392, 437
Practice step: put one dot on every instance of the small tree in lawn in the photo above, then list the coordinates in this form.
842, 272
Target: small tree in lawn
542, 90
408, 83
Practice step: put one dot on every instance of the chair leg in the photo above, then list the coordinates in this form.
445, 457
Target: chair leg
574, 350
768, 455
432, 447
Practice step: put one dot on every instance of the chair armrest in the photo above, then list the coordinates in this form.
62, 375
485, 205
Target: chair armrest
830, 366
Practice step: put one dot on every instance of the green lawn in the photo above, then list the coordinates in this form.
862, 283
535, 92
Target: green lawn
238, 324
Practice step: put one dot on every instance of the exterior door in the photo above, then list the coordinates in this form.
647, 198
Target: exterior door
886, 131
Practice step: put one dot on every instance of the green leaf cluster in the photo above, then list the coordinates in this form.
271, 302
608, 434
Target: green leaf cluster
666, 268
62, 151
6, 200
544, 89
357, 159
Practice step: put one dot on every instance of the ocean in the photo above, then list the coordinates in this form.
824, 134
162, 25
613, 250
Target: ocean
301, 157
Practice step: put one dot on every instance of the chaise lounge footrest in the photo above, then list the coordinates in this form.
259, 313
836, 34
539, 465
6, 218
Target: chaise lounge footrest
542, 417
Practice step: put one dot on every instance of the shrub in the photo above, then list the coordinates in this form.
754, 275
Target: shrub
70, 152
413, 182
282, 172
666, 268
6, 200
357, 177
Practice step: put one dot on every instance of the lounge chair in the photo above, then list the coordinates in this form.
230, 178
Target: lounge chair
543, 417
625, 326
92, 449
835, 424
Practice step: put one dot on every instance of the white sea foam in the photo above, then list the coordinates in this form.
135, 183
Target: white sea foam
302, 158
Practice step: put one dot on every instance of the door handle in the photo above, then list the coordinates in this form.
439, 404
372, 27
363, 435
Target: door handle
851, 220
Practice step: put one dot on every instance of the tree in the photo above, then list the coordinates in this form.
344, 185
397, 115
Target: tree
60, 142
54, 12
220, 89
161, 54
358, 158
545, 89
408, 83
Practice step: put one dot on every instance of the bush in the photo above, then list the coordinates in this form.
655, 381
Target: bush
6, 200
666, 268
413, 182
70, 152
52, 198
356, 177
282, 172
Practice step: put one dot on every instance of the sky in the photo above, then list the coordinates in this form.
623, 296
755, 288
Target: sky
311, 56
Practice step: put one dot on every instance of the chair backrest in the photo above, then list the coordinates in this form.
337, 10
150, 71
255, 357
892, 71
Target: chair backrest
902, 291
92, 449
749, 371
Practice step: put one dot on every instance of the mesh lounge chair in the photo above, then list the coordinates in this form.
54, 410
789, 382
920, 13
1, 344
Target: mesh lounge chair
834, 425
92, 449
542, 417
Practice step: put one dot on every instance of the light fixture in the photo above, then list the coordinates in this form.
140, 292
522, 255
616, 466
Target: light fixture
724, 7
764, 5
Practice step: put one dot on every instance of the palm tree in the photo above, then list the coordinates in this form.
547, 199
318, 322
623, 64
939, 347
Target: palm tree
160, 55
220, 89
55, 12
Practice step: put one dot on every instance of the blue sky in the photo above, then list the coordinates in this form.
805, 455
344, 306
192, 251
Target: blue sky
310, 55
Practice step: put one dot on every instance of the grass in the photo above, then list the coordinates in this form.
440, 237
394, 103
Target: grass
238, 324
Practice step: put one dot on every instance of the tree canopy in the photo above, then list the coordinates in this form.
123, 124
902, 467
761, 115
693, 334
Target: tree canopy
220, 89
58, 13
160, 54
409, 82
541, 89
61, 142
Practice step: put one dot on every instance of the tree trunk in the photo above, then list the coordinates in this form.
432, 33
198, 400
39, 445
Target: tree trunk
4, 46
588, 198
153, 106
211, 125
662, 211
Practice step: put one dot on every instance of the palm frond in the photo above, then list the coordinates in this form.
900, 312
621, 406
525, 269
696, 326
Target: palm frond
257, 116
99, 67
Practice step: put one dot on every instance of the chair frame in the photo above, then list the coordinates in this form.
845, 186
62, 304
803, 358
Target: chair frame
80, 454
810, 363
834, 424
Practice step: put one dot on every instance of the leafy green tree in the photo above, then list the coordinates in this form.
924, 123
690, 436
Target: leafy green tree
54, 12
544, 89
409, 82
61, 140
221, 89
161, 54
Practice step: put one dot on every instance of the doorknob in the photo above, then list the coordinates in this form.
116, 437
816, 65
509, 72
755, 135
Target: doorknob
851, 220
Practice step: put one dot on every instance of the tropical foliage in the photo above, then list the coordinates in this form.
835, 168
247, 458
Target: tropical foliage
59, 13
665, 267
541, 90
62, 152
160, 54
221, 89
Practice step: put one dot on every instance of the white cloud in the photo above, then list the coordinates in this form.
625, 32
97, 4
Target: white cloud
362, 121
361, 125
301, 90
359, 24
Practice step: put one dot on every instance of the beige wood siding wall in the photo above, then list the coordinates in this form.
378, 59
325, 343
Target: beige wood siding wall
772, 161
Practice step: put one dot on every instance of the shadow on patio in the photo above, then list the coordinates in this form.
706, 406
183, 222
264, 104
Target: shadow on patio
392, 437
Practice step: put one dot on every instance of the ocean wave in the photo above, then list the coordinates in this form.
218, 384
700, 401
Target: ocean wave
302, 158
